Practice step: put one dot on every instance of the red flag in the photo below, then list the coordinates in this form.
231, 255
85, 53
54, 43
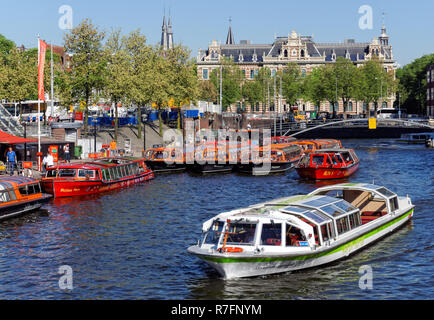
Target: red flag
41, 65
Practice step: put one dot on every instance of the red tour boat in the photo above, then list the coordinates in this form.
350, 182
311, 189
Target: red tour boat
328, 164
102, 175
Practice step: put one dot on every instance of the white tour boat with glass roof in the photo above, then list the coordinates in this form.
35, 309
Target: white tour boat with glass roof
300, 232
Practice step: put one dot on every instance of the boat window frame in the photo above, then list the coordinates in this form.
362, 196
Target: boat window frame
7, 193
66, 169
85, 171
258, 228
263, 223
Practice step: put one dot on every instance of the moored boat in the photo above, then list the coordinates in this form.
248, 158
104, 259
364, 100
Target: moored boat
328, 164
318, 144
19, 195
416, 138
166, 160
283, 158
83, 178
302, 231
212, 158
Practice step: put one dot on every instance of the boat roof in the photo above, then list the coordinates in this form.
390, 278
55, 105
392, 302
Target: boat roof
97, 164
332, 150
380, 190
7, 182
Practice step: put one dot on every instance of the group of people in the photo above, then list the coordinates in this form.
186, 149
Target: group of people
48, 160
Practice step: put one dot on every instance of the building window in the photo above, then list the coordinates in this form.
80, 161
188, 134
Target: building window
285, 53
365, 106
349, 107
252, 74
303, 73
294, 53
273, 72
302, 53
244, 73
205, 74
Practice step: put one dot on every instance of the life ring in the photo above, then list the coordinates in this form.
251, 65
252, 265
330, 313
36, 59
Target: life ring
231, 250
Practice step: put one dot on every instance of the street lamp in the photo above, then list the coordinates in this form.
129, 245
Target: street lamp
24, 124
94, 120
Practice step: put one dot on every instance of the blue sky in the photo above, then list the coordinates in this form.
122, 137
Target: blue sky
410, 24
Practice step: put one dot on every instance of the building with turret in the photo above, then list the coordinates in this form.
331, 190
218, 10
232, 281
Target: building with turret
299, 49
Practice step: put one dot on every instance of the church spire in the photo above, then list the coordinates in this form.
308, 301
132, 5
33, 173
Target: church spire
164, 33
170, 33
230, 38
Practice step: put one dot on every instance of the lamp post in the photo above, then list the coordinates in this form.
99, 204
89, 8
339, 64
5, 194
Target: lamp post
24, 124
94, 120
144, 133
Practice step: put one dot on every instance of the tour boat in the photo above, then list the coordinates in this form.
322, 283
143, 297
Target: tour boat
165, 160
77, 179
19, 195
213, 158
283, 158
300, 232
419, 138
318, 144
328, 164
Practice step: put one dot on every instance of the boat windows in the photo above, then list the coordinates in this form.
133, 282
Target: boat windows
394, 204
342, 225
332, 210
317, 160
294, 237
344, 206
354, 220
67, 173
327, 232
86, 173
51, 174
387, 193
5, 196
123, 173
212, 236
240, 234
271, 234
30, 189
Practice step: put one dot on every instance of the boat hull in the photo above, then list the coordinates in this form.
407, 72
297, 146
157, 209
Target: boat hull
211, 168
163, 167
262, 170
327, 173
22, 207
231, 266
71, 188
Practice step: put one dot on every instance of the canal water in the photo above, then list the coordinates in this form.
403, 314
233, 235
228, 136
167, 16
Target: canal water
132, 244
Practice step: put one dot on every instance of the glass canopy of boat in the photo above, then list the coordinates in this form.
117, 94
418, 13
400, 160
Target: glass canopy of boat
321, 209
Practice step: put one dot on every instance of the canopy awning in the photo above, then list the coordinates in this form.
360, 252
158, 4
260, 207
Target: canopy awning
6, 138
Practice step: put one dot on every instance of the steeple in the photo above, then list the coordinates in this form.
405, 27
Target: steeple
164, 34
230, 38
170, 34
384, 38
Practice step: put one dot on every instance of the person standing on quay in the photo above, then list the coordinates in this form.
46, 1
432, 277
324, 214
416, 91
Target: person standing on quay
11, 158
67, 153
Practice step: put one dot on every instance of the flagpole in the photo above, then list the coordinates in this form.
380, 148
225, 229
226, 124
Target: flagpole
39, 105
52, 80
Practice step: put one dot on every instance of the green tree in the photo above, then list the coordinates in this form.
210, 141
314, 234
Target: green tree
315, 89
207, 91
347, 80
118, 77
376, 83
88, 64
292, 88
184, 83
139, 55
413, 84
231, 82
252, 92
6, 46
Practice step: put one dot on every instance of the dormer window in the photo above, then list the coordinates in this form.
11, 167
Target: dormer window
302, 53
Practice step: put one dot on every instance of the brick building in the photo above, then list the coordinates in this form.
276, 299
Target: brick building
302, 50
430, 91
